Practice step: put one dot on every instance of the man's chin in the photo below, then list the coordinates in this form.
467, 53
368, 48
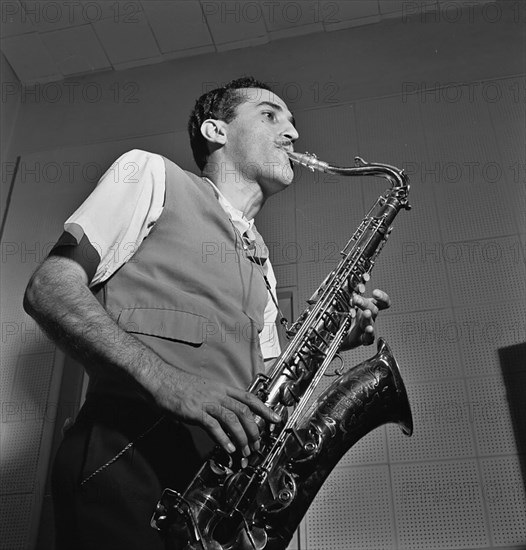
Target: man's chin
288, 174
276, 186
285, 182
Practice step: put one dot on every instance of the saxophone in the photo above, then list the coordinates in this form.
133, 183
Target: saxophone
234, 503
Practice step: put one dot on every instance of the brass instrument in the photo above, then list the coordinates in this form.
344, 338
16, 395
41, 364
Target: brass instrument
257, 503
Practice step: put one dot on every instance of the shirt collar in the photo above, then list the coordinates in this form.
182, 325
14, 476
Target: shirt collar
242, 224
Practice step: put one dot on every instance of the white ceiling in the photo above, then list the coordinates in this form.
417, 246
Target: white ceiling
49, 40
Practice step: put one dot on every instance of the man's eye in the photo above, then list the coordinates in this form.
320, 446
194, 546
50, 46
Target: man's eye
269, 114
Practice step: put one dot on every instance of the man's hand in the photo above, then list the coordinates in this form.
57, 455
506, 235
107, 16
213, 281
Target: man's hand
362, 331
226, 413
59, 299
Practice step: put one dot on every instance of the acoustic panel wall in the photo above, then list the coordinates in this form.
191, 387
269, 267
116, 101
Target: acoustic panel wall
424, 343
483, 328
505, 499
357, 503
440, 505
454, 267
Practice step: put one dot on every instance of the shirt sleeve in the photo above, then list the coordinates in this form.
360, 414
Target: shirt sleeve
121, 210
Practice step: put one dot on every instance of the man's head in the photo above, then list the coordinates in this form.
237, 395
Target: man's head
219, 104
242, 132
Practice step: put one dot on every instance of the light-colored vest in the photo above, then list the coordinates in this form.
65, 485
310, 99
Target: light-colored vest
190, 292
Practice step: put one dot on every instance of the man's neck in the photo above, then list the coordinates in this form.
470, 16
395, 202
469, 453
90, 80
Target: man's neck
243, 194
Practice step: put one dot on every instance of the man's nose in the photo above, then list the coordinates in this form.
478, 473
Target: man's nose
291, 132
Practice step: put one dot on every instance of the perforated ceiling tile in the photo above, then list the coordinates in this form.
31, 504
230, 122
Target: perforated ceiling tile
327, 215
447, 122
285, 275
487, 328
33, 376
24, 414
490, 414
506, 113
439, 506
425, 344
371, 449
325, 130
442, 427
11, 338
127, 42
7, 377
380, 124
486, 271
14, 519
20, 451
477, 212
276, 223
473, 174
328, 208
415, 234
20, 333
505, 498
390, 132
408, 271
352, 511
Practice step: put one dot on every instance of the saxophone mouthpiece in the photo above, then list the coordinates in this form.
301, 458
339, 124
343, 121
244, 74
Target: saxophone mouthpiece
309, 161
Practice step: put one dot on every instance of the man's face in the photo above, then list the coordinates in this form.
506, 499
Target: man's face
257, 139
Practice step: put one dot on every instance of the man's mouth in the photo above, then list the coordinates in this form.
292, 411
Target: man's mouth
286, 145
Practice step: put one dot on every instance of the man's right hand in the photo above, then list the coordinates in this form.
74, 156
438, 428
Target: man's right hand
59, 299
226, 413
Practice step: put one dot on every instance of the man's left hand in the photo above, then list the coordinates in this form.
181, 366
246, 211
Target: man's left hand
362, 331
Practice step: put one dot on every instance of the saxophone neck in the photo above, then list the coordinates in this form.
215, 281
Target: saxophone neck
309, 161
398, 178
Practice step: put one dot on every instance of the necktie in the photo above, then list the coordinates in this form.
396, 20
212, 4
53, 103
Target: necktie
257, 250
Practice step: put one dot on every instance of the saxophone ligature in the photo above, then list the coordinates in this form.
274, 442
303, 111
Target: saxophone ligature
257, 503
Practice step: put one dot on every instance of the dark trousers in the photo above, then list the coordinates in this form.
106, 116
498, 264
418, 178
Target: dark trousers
113, 508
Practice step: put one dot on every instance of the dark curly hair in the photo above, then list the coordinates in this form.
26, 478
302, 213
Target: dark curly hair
219, 104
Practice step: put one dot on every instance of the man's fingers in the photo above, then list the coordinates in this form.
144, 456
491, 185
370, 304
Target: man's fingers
256, 406
227, 414
367, 337
236, 417
246, 419
213, 427
366, 305
231, 427
381, 299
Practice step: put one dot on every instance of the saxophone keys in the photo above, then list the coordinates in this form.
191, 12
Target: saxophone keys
285, 496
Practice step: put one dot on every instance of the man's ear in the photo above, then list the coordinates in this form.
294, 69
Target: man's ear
214, 131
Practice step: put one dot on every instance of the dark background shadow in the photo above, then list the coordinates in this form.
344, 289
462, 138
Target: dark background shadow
513, 365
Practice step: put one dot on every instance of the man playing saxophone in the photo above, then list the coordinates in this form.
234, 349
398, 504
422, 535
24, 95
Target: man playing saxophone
156, 329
